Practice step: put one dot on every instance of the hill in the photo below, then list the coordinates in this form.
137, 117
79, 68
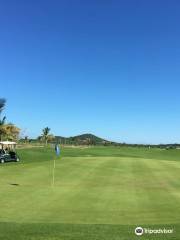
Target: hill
86, 139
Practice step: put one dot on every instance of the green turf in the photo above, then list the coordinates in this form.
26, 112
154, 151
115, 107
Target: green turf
99, 193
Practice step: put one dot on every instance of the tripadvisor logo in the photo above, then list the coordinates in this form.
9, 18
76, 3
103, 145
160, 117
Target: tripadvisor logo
139, 231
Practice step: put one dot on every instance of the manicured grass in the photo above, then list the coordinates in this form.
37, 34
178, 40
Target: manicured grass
99, 193
59, 231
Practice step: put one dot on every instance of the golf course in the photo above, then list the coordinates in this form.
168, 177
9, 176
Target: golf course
98, 193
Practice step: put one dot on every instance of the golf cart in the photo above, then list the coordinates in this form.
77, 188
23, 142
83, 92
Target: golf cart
7, 152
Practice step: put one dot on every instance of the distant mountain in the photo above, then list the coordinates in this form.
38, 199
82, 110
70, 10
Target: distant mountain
86, 139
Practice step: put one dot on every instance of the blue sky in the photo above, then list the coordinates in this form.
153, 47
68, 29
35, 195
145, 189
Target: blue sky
111, 68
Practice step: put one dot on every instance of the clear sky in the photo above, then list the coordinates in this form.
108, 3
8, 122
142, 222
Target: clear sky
111, 68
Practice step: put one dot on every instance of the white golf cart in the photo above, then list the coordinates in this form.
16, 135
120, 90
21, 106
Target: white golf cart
8, 152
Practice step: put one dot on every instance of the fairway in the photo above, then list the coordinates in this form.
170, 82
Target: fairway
99, 193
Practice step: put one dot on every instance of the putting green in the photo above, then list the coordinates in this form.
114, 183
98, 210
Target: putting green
95, 186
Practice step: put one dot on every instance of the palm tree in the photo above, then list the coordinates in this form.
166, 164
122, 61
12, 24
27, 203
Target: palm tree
11, 131
8, 130
46, 134
2, 128
2, 121
2, 104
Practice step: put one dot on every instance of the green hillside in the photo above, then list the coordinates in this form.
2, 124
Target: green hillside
86, 139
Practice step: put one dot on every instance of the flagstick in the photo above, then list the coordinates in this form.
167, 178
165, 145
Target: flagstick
57, 149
